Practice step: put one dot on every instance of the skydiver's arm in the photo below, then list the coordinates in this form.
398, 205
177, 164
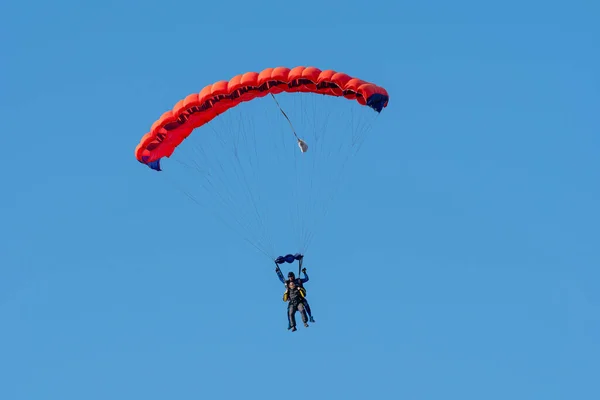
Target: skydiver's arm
305, 279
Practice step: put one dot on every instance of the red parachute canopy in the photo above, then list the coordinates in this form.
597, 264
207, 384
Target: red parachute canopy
199, 108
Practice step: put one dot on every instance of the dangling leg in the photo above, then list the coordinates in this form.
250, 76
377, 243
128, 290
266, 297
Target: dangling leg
307, 308
303, 314
288, 317
292, 316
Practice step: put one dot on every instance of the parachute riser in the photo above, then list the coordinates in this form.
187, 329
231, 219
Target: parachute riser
290, 259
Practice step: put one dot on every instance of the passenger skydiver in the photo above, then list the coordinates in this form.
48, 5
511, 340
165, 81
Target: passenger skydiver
295, 296
299, 282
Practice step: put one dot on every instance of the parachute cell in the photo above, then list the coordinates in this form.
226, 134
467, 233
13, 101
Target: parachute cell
199, 108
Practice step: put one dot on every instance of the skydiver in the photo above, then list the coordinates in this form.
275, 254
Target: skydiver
295, 296
300, 283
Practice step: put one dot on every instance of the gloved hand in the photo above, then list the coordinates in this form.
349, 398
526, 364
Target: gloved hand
304, 270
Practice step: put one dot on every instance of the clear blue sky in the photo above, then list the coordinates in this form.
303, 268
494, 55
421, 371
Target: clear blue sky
461, 263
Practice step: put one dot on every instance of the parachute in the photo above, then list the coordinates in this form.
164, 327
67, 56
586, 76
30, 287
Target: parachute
242, 152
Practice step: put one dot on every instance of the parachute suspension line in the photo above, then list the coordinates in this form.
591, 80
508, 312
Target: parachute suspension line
307, 206
240, 173
195, 200
253, 188
282, 159
297, 215
359, 133
307, 175
213, 182
259, 246
316, 181
297, 222
258, 182
361, 129
236, 183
